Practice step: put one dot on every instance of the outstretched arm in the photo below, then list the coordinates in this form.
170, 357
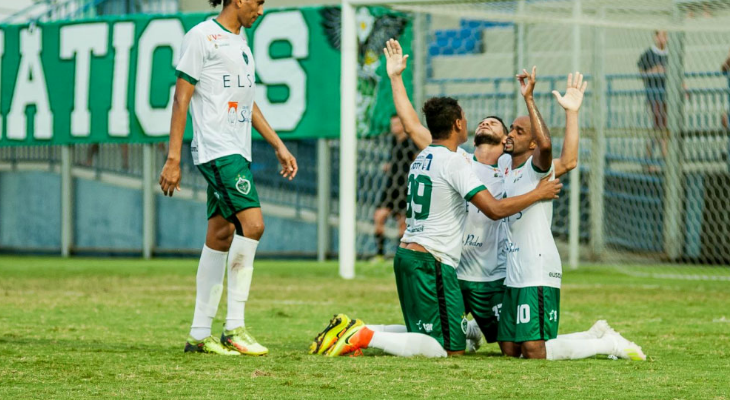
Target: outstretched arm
395, 65
288, 163
496, 209
543, 154
571, 102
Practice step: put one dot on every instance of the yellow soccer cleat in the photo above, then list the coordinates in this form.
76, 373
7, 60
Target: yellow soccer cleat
350, 340
209, 345
324, 340
242, 341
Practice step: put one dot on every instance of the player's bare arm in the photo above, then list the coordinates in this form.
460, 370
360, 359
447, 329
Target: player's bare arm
396, 63
571, 103
288, 163
497, 209
170, 175
543, 153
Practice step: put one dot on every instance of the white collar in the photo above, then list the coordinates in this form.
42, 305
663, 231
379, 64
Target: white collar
658, 51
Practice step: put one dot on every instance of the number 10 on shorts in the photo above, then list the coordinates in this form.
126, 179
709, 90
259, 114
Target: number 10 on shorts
523, 313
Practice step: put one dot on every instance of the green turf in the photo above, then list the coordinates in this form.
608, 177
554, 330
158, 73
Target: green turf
104, 328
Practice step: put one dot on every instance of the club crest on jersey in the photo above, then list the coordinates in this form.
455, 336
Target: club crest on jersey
245, 56
243, 185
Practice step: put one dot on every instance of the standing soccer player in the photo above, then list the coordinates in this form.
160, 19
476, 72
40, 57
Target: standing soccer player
216, 77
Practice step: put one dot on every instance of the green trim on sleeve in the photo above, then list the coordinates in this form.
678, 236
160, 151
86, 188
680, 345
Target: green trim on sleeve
538, 170
186, 77
474, 192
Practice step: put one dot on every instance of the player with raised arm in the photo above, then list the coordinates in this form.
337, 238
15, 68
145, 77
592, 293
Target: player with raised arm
216, 78
439, 181
528, 324
482, 269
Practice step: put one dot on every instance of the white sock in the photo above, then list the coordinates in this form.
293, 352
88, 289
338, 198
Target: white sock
209, 287
388, 328
576, 349
473, 332
240, 272
577, 336
407, 344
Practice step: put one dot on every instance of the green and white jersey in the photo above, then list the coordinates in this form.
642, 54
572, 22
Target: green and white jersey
220, 65
482, 256
438, 183
532, 256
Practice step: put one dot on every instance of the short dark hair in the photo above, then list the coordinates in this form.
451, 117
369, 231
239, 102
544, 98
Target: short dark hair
441, 115
506, 131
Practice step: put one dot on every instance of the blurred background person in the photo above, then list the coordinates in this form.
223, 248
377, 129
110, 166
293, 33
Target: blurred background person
393, 198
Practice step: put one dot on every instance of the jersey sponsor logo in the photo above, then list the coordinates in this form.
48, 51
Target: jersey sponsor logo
423, 163
425, 327
473, 240
512, 248
557, 275
243, 185
236, 115
241, 81
216, 37
415, 229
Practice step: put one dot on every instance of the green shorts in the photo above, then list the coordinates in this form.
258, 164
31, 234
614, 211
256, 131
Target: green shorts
529, 313
230, 186
484, 301
430, 298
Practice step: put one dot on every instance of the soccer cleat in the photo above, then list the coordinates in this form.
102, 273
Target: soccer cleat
241, 341
600, 328
626, 349
209, 345
349, 340
325, 339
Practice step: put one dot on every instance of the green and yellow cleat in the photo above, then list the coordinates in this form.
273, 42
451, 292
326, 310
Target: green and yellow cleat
241, 341
209, 345
347, 340
325, 339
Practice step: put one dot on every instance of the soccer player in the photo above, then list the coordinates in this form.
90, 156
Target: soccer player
216, 77
440, 181
528, 325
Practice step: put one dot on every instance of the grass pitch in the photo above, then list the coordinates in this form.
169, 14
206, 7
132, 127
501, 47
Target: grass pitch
106, 328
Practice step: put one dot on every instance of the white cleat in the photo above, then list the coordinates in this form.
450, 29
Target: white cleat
600, 328
626, 349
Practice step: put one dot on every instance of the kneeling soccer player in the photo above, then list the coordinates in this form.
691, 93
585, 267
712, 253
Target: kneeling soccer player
439, 181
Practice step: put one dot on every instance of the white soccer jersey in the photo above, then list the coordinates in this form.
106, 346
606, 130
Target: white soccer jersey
483, 257
220, 65
438, 183
532, 257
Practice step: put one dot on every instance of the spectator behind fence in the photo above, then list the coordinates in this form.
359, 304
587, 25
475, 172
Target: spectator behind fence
725, 68
652, 64
393, 199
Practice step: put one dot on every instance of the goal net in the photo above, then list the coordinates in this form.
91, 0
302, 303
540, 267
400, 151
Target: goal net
651, 193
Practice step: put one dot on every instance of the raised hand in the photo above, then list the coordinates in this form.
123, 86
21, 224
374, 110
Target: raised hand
288, 163
395, 60
573, 97
527, 82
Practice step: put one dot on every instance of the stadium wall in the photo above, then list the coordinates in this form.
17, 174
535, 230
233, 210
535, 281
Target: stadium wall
108, 220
